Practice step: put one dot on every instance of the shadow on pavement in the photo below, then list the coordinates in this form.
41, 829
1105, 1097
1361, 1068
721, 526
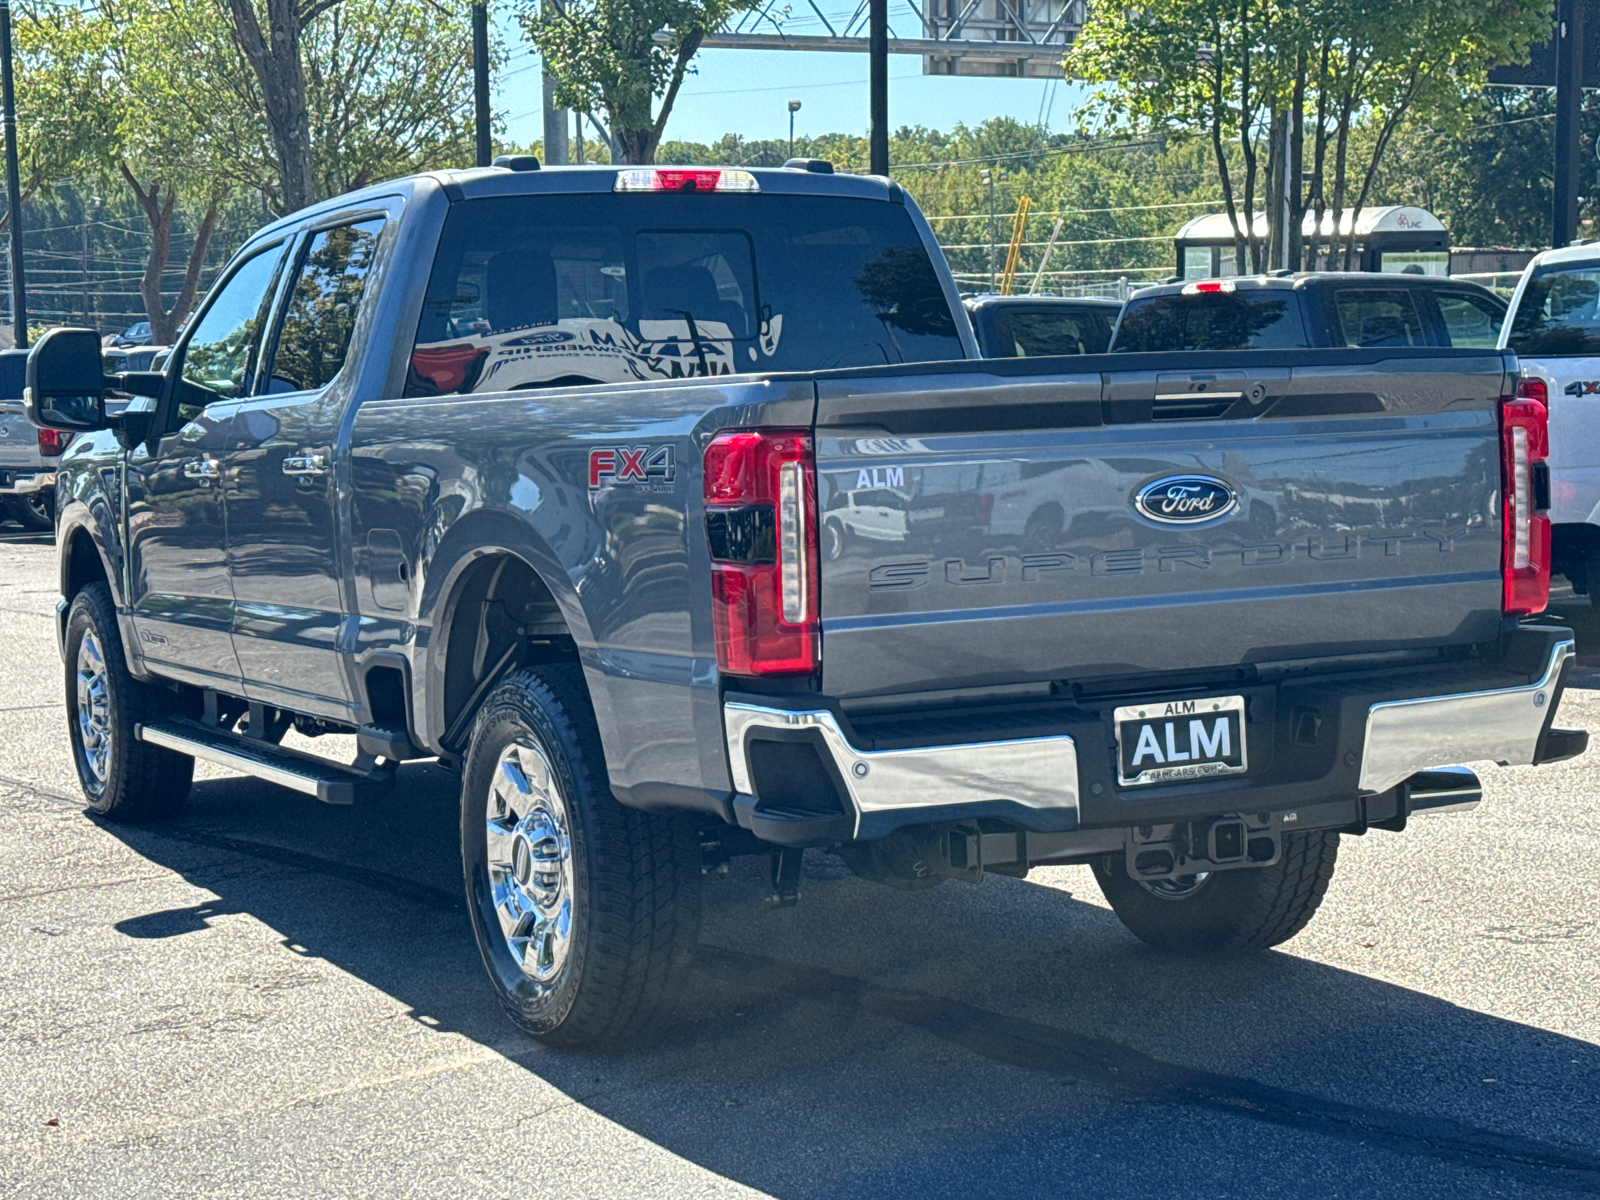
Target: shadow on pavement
871, 1042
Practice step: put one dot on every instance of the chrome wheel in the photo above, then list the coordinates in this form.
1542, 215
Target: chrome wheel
94, 708
530, 862
1179, 888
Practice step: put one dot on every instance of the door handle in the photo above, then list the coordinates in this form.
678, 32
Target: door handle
306, 464
204, 470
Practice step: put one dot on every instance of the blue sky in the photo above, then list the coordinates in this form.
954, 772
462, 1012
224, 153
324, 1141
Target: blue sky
747, 91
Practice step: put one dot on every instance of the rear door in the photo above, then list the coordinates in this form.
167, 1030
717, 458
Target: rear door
1160, 513
280, 480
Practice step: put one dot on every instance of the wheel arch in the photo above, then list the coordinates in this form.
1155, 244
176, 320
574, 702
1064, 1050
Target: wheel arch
494, 588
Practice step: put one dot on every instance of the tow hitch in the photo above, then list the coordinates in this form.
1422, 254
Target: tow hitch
1189, 847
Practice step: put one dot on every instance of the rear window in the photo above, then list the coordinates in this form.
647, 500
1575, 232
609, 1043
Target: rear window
1254, 319
555, 290
1043, 332
1378, 318
1557, 316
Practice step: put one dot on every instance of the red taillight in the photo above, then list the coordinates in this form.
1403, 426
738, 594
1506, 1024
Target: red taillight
761, 495
1208, 287
53, 442
1533, 389
1525, 499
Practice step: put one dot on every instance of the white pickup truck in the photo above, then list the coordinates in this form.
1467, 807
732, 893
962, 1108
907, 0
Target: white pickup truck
1554, 328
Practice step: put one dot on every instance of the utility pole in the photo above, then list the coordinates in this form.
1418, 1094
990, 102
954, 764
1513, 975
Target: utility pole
1569, 107
480, 80
8, 105
794, 107
878, 52
557, 149
88, 215
988, 181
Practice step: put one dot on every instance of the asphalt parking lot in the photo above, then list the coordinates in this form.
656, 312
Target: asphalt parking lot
267, 997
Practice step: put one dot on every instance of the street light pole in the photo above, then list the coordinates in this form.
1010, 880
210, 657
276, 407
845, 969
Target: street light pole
794, 107
480, 80
878, 52
8, 106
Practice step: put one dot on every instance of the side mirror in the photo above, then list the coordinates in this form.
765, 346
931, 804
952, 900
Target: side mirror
66, 382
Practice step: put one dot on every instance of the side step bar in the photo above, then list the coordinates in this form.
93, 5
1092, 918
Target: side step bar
306, 773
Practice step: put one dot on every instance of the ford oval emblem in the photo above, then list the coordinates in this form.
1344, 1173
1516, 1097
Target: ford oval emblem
1185, 499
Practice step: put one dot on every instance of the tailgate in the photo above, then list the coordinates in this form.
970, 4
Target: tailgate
985, 528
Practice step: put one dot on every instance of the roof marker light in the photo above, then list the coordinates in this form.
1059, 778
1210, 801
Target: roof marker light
652, 179
1208, 286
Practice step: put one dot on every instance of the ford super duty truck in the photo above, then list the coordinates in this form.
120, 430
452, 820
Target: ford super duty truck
529, 472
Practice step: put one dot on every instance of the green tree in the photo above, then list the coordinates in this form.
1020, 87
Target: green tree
605, 57
1239, 71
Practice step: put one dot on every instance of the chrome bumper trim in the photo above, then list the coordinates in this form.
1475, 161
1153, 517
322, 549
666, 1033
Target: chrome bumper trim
1040, 773
1407, 736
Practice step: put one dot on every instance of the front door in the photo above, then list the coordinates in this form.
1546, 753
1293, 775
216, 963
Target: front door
177, 536
283, 543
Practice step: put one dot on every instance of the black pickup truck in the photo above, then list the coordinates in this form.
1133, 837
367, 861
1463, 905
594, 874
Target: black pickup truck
1311, 310
526, 471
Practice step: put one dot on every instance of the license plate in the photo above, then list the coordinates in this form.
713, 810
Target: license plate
1180, 739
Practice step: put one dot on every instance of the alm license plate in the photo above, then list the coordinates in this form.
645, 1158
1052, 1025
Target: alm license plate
1171, 740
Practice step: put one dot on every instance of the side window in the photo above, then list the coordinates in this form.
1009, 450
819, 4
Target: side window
1472, 322
1379, 318
220, 358
320, 314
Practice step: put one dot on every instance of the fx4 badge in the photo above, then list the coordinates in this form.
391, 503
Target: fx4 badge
641, 466
1582, 387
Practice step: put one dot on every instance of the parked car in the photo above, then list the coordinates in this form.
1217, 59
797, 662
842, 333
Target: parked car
1312, 310
137, 334
1038, 326
1554, 328
525, 472
27, 455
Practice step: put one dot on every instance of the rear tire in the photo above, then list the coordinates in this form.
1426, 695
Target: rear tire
123, 779
1227, 912
34, 511
586, 912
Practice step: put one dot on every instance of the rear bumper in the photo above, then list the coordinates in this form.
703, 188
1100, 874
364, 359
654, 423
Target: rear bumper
25, 482
1370, 734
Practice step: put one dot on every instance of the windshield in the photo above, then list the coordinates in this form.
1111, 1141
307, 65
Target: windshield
1557, 316
554, 290
1258, 319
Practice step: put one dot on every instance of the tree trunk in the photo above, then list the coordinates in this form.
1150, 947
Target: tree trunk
1277, 182
1295, 178
1222, 157
275, 59
158, 212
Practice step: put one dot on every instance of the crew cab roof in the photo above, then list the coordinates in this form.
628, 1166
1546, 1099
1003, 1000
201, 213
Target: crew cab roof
1303, 280
477, 182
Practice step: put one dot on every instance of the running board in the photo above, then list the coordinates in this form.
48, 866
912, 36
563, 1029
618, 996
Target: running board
327, 781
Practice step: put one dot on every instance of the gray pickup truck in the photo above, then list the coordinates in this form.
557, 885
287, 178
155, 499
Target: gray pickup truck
528, 472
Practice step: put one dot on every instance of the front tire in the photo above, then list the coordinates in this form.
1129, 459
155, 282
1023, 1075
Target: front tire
123, 779
586, 912
1226, 912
